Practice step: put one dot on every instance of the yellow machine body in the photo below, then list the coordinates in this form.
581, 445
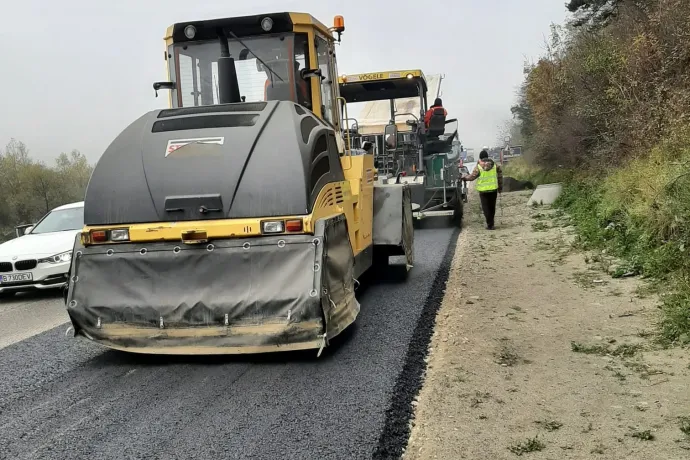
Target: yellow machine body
127, 271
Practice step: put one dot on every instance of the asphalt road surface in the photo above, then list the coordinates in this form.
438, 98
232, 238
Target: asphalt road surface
25, 315
65, 398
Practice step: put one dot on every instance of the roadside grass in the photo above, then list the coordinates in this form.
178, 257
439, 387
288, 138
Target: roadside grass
549, 425
540, 226
598, 261
596, 349
647, 289
543, 245
507, 356
525, 447
556, 244
479, 398
626, 350
684, 425
587, 281
461, 376
619, 375
643, 370
641, 219
599, 449
644, 435
645, 334
522, 169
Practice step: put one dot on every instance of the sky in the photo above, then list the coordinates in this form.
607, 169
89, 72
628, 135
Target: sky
75, 73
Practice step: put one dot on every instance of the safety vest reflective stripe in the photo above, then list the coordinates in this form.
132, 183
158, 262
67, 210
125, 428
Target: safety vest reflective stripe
487, 180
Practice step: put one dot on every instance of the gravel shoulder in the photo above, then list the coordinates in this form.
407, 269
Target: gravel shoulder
537, 352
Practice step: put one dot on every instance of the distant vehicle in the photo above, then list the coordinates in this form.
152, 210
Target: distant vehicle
510, 154
41, 256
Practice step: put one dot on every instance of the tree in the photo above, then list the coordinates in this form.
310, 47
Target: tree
15, 157
32, 188
44, 185
599, 13
522, 115
14, 164
74, 172
592, 12
513, 129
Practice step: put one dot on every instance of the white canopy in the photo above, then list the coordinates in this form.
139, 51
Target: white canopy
375, 115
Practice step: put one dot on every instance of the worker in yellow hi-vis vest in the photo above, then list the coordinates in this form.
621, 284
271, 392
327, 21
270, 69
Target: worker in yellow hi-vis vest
489, 178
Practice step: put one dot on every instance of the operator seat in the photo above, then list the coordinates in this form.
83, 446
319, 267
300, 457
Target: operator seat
433, 144
279, 91
437, 124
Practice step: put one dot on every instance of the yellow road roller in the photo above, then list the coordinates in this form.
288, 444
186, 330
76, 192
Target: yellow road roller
238, 219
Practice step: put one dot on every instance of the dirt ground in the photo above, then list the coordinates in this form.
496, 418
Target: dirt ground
539, 353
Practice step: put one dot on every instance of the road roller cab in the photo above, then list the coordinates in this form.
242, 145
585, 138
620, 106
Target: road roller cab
235, 221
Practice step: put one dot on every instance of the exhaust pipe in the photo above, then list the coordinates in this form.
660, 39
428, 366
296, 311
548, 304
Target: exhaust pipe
228, 86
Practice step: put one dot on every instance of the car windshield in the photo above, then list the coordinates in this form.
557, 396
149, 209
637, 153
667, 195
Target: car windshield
60, 221
273, 76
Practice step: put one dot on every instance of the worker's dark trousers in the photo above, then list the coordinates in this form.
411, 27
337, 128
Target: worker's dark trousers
488, 200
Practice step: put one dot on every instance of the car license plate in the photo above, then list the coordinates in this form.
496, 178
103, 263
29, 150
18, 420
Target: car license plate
16, 278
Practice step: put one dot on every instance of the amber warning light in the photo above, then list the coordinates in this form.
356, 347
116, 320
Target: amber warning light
339, 24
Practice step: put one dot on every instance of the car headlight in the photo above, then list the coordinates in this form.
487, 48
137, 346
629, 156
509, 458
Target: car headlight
57, 258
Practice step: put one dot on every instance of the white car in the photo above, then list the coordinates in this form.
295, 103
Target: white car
41, 257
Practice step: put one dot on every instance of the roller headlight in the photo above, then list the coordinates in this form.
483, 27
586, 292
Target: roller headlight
272, 226
267, 24
120, 234
190, 32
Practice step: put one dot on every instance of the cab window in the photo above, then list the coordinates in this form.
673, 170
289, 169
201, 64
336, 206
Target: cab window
324, 63
267, 69
302, 86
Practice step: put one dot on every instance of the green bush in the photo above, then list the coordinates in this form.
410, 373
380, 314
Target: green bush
605, 112
640, 213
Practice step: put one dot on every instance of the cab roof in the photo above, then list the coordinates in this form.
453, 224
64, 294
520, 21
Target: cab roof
243, 26
377, 86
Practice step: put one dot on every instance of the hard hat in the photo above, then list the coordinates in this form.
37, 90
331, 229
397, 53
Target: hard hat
486, 147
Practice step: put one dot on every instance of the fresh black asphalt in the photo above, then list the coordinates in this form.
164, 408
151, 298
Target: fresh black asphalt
64, 398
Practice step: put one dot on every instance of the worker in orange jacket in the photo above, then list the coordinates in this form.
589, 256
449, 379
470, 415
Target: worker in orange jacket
438, 105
